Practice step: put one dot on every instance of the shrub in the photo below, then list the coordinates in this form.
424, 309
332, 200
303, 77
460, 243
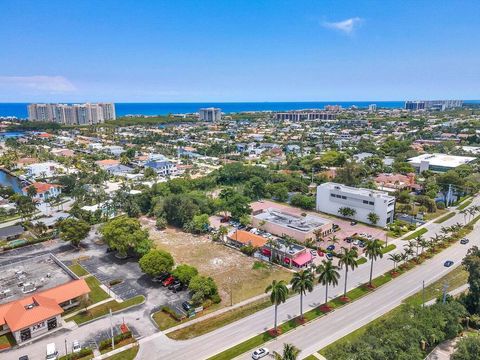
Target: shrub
440, 205
161, 223
248, 250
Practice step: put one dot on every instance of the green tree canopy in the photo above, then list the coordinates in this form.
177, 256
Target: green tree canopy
73, 231
155, 262
185, 273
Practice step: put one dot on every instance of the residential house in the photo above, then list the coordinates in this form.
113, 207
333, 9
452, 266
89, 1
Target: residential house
44, 191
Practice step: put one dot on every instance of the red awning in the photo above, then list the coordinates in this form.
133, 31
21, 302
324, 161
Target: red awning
302, 259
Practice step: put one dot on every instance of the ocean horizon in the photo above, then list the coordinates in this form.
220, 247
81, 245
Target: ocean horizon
19, 110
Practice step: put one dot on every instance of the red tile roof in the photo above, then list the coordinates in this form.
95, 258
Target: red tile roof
40, 187
247, 238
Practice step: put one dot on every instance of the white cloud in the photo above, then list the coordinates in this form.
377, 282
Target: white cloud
346, 26
55, 84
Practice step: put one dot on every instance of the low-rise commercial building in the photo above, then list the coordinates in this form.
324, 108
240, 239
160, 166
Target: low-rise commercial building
439, 162
331, 197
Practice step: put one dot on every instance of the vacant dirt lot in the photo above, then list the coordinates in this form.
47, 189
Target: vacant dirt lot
230, 269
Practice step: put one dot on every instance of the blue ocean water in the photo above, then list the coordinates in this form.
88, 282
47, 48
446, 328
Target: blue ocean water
20, 109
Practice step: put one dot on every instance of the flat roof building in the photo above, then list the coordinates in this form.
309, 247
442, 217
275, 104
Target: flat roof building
331, 197
33, 295
298, 227
439, 162
210, 114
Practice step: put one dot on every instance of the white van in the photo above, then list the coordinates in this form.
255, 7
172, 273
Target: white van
52, 353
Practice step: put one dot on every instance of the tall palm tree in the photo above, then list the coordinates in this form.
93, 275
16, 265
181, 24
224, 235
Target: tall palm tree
396, 258
423, 244
464, 212
328, 275
333, 239
418, 241
271, 243
408, 251
278, 294
348, 259
373, 250
302, 282
290, 352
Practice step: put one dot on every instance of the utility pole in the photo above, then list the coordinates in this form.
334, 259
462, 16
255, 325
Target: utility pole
445, 287
66, 351
111, 329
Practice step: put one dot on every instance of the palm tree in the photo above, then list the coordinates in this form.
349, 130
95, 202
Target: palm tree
328, 275
302, 282
418, 242
318, 235
408, 252
333, 239
271, 243
278, 294
423, 244
288, 241
290, 352
222, 231
396, 258
464, 213
373, 250
347, 259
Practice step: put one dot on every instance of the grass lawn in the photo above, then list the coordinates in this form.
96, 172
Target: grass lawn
218, 321
78, 270
416, 233
97, 293
430, 216
388, 248
118, 345
465, 205
445, 218
164, 320
7, 341
125, 355
362, 260
103, 309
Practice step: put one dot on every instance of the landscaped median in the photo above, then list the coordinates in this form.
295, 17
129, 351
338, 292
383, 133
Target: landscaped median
445, 217
415, 234
103, 309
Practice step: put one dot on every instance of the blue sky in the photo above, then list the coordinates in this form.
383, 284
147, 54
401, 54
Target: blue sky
169, 51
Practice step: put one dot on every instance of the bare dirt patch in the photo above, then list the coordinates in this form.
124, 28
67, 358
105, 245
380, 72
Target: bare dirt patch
230, 269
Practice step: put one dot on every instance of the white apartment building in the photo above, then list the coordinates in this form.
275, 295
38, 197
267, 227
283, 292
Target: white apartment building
439, 162
76, 114
210, 114
331, 197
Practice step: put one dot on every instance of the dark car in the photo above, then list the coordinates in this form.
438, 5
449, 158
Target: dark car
186, 306
177, 287
353, 223
448, 263
24, 357
176, 282
464, 241
331, 247
168, 281
161, 277
329, 256
348, 240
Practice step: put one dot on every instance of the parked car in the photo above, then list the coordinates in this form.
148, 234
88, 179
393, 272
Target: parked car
448, 263
321, 253
313, 252
168, 281
361, 244
260, 353
51, 353
76, 347
177, 287
186, 306
353, 223
331, 247
24, 357
175, 282
348, 240
329, 256
161, 277
464, 241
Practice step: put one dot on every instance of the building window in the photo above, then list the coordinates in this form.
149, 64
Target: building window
344, 197
371, 203
365, 201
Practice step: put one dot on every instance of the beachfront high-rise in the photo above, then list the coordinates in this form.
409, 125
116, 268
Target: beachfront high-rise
210, 114
433, 104
75, 114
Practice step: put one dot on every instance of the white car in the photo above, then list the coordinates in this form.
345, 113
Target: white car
260, 353
76, 347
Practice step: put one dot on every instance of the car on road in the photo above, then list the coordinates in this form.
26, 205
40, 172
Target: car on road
186, 306
353, 223
313, 252
24, 357
168, 281
448, 263
260, 353
464, 241
331, 247
76, 347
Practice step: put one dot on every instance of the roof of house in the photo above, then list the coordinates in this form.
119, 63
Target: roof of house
107, 162
40, 187
248, 238
13, 230
303, 258
27, 160
20, 314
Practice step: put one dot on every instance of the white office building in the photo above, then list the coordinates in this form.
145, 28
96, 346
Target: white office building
438, 162
331, 197
210, 114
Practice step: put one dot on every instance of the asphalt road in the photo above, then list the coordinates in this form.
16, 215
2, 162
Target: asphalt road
315, 335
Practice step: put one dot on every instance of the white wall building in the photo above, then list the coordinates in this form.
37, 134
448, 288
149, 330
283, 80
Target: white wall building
438, 162
332, 196
210, 114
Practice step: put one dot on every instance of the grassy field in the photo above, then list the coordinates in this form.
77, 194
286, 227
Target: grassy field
97, 294
218, 321
465, 205
388, 248
103, 309
78, 270
125, 355
413, 235
361, 261
445, 218
235, 273
430, 216
164, 321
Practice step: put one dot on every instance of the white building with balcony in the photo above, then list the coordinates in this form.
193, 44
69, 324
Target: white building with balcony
331, 197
